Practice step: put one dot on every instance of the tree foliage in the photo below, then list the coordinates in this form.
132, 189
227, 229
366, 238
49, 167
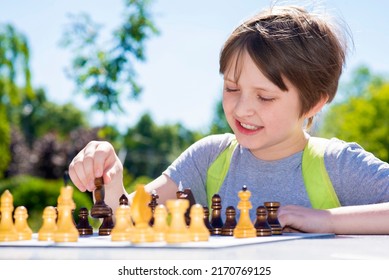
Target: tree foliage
14, 68
102, 72
362, 115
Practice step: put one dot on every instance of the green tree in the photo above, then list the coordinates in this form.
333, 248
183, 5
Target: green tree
151, 148
14, 69
103, 72
361, 115
219, 122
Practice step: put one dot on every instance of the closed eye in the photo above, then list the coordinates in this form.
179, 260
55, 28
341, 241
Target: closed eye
231, 89
266, 99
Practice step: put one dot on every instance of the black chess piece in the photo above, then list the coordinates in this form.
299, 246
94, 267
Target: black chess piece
100, 209
206, 219
107, 225
153, 203
123, 200
261, 224
230, 223
272, 218
216, 218
83, 226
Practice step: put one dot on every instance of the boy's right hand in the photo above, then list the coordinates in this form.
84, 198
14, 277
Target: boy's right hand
97, 159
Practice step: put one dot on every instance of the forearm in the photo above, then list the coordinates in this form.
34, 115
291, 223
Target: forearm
364, 219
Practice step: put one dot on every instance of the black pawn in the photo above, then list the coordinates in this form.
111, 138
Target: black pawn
107, 224
216, 219
261, 223
206, 219
272, 218
83, 226
123, 200
230, 224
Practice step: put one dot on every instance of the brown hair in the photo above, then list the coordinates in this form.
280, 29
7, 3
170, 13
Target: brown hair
288, 42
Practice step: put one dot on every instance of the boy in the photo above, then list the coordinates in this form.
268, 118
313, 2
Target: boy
280, 68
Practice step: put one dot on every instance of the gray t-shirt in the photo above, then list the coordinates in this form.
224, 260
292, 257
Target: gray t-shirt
358, 176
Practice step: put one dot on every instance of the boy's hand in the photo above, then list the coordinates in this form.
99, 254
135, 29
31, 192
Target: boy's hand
295, 218
97, 159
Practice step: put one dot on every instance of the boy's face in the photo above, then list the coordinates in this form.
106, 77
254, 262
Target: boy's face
264, 118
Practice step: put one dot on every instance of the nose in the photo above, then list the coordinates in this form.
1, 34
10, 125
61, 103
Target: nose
245, 106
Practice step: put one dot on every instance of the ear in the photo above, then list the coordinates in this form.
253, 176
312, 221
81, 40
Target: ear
317, 108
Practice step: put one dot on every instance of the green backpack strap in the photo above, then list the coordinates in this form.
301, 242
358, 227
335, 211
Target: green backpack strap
318, 184
217, 171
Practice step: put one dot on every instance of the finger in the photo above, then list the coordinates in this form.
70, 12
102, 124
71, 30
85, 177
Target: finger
74, 177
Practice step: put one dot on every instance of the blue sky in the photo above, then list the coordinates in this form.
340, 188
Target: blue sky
180, 75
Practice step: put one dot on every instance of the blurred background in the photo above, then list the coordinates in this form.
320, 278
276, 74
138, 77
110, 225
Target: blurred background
144, 76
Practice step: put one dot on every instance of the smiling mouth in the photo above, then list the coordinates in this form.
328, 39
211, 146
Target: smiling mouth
249, 127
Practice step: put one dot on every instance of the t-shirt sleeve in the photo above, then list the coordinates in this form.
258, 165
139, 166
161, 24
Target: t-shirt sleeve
358, 176
189, 170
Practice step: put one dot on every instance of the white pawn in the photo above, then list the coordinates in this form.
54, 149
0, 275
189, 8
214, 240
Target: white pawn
49, 226
197, 229
23, 230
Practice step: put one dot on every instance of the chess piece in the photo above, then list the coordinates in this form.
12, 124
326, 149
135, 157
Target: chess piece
206, 218
160, 223
272, 218
261, 224
49, 226
123, 200
100, 209
83, 226
66, 230
141, 215
216, 219
153, 203
23, 230
186, 194
107, 224
244, 228
178, 230
197, 229
230, 224
7, 228
123, 227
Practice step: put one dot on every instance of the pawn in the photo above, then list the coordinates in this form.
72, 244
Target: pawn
49, 226
197, 229
7, 228
272, 210
261, 224
177, 231
216, 219
123, 200
206, 218
244, 228
23, 230
123, 227
107, 225
230, 224
160, 223
83, 226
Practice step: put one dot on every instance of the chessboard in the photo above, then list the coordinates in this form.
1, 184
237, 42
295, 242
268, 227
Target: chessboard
214, 242
181, 223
